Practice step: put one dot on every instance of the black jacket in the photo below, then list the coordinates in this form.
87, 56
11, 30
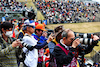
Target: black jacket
63, 59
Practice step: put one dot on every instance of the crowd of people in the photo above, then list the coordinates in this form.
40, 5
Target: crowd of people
28, 42
68, 12
12, 6
36, 49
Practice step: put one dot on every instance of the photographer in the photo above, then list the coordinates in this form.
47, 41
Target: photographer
31, 58
57, 33
67, 51
8, 46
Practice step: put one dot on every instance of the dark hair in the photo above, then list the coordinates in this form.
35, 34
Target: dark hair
6, 25
38, 30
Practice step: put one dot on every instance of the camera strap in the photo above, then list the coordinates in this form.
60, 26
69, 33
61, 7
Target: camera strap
74, 60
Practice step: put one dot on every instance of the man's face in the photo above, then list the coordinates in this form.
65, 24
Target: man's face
10, 29
39, 32
71, 37
7, 32
4, 31
31, 30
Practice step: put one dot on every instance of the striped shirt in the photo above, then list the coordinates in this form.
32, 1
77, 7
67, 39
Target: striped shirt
7, 53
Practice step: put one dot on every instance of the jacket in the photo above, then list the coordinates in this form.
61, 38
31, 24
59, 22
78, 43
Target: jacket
51, 46
8, 53
63, 59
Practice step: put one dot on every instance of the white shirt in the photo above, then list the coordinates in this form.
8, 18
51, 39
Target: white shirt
67, 47
32, 56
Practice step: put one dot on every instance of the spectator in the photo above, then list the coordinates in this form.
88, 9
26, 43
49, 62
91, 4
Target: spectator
8, 46
31, 58
47, 58
22, 32
67, 51
54, 11
40, 37
99, 64
57, 33
18, 28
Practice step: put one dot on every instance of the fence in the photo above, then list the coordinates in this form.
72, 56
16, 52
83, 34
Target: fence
95, 56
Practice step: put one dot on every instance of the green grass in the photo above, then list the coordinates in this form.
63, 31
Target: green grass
80, 27
91, 27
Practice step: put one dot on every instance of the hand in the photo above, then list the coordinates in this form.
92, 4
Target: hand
50, 38
44, 34
75, 43
16, 43
95, 37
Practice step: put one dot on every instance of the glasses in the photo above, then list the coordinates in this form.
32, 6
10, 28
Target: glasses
40, 30
32, 26
72, 39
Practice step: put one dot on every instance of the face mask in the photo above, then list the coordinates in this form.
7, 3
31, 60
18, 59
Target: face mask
9, 33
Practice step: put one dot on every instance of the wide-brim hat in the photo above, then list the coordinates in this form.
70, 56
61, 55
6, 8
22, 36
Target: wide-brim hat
58, 30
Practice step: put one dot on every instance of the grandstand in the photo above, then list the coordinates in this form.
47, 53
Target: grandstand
69, 12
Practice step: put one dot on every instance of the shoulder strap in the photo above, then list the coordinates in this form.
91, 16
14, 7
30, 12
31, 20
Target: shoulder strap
66, 51
1, 40
53, 42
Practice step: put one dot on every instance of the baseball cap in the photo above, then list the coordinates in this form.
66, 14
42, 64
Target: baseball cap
28, 25
41, 27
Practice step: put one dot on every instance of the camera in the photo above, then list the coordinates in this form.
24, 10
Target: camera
83, 35
85, 38
88, 41
29, 14
29, 47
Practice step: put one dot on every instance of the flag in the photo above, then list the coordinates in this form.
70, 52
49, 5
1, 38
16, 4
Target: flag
45, 22
13, 32
3, 19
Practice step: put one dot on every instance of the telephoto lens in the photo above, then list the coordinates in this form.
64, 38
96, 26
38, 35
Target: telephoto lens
83, 35
88, 41
29, 47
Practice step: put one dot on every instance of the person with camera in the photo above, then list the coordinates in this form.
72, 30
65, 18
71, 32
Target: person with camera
67, 51
57, 34
31, 56
8, 46
40, 35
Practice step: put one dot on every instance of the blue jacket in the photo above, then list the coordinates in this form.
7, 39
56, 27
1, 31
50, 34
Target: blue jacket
41, 41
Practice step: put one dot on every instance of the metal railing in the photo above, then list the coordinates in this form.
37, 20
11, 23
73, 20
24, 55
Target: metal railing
95, 56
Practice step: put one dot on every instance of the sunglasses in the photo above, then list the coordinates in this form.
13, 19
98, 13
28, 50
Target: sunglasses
32, 26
